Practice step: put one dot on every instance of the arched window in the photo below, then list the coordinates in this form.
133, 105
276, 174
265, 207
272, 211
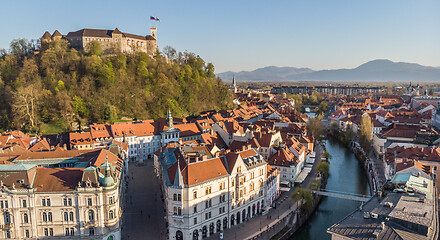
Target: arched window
111, 214
91, 216
196, 235
66, 216
44, 217
225, 222
179, 197
25, 218
175, 197
49, 216
195, 194
71, 216
179, 235
175, 211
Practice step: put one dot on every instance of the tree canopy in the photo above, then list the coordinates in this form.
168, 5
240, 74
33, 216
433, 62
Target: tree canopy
61, 83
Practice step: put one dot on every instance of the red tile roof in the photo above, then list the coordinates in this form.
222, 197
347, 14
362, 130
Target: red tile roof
57, 179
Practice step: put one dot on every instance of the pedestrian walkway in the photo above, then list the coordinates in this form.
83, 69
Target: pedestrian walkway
143, 207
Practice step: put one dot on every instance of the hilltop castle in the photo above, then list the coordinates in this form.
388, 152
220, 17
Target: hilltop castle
109, 39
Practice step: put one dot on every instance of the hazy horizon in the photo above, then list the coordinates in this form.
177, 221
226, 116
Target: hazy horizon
242, 36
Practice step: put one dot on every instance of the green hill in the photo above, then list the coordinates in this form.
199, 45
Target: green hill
62, 84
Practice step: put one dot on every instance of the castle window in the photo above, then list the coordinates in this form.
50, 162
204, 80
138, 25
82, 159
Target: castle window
91, 216
111, 214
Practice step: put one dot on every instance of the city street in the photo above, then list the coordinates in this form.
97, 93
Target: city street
143, 216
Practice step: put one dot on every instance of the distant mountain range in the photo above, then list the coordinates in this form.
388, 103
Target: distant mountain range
380, 70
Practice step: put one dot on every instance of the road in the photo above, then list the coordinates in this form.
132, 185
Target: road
144, 215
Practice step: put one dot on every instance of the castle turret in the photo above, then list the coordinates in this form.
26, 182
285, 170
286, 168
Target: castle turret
153, 32
108, 180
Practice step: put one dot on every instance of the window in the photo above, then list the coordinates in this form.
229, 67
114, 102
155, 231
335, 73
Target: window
91, 216
232, 183
71, 216
67, 232
91, 231
49, 217
1, 204
6, 204
44, 217
208, 190
208, 203
111, 200
72, 232
195, 208
222, 186
111, 214
195, 194
208, 215
24, 203
89, 202
48, 202
239, 169
195, 220
25, 218
26, 233
46, 232
175, 197
65, 201
7, 234
179, 197
222, 198
221, 210
51, 231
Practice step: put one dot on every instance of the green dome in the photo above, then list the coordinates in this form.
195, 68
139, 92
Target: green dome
108, 181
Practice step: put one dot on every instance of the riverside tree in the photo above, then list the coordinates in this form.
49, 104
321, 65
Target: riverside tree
365, 133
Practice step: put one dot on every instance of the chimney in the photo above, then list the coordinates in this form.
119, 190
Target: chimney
243, 147
204, 157
211, 131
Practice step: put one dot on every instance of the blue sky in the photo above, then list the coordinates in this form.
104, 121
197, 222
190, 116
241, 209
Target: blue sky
245, 35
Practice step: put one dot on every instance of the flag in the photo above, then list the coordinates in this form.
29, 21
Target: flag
152, 18
157, 19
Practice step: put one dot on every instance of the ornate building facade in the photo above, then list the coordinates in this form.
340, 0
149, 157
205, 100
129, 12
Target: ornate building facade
61, 195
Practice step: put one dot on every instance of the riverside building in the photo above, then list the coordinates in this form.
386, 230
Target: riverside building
204, 195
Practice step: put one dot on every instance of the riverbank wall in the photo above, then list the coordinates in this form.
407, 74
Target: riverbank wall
361, 156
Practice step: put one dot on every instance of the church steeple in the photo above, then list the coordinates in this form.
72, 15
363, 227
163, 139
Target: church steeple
170, 119
234, 84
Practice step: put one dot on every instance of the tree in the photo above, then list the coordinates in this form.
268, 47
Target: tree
349, 136
94, 48
334, 128
20, 47
304, 196
365, 133
315, 184
25, 105
169, 52
322, 107
315, 127
323, 167
326, 155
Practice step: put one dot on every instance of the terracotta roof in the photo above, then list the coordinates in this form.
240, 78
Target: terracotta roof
41, 145
112, 159
248, 153
283, 157
57, 179
214, 139
145, 128
188, 129
100, 131
58, 153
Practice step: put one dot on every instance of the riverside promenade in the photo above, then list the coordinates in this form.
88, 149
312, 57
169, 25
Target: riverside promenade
265, 227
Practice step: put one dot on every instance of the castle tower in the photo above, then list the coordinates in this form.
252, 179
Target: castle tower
153, 32
234, 84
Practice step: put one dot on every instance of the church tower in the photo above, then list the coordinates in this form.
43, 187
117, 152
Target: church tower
234, 84
170, 119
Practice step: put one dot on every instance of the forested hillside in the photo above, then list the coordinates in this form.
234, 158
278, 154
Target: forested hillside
60, 85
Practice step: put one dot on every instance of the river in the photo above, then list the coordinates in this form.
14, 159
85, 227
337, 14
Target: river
346, 175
